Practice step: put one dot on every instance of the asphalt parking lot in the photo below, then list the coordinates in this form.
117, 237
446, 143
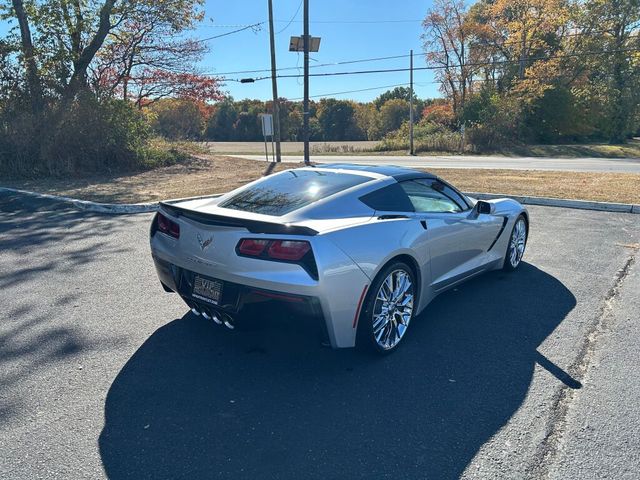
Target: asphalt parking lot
525, 375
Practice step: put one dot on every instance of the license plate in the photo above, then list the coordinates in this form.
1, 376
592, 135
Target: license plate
207, 289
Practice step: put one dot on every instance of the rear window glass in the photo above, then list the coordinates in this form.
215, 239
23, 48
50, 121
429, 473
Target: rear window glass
288, 191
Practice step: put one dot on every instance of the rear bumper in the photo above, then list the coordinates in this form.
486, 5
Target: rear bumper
333, 296
236, 297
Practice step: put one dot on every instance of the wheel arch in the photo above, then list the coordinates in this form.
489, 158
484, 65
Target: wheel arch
413, 264
415, 270
525, 214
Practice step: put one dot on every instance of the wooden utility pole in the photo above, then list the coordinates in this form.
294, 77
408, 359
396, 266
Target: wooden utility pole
411, 152
274, 85
305, 103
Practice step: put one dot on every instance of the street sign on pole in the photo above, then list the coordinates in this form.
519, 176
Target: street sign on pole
267, 124
267, 131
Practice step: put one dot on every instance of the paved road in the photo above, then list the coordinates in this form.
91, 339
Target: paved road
620, 165
102, 374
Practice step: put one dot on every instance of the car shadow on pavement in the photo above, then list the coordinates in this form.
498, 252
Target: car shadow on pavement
198, 401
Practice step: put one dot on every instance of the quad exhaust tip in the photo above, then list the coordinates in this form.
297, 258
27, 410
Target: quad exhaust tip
219, 318
216, 318
229, 322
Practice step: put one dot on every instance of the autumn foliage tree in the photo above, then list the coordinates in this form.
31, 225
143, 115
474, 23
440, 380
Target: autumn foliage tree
147, 58
535, 63
91, 62
447, 40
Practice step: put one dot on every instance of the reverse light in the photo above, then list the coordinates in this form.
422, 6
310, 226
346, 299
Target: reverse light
168, 226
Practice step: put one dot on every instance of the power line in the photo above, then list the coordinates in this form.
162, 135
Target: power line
331, 64
440, 67
361, 21
351, 91
246, 27
237, 25
292, 19
347, 62
373, 22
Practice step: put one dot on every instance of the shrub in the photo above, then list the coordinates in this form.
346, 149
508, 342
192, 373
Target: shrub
88, 136
427, 137
177, 119
95, 136
492, 121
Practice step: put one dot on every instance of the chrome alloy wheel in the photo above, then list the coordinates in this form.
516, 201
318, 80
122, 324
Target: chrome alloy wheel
518, 242
392, 309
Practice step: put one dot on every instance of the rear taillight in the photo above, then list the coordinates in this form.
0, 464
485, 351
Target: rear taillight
291, 250
294, 251
252, 247
168, 226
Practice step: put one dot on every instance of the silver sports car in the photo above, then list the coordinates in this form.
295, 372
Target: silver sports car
363, 248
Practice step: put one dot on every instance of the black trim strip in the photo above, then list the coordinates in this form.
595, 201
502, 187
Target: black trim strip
253, 226
392, 217
504, 224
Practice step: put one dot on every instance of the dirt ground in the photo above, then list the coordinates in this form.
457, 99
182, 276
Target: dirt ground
215, 174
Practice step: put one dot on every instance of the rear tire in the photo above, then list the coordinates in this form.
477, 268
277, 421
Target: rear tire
388, 309
517, 244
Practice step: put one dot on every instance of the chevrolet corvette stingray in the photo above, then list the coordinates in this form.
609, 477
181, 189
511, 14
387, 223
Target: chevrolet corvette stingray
362, 248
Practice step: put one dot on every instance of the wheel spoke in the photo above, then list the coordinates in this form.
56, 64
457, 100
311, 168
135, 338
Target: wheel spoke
393, 309
408, 299
380, 322
518, 242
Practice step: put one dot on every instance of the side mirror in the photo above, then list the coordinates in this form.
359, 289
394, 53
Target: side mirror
484, 207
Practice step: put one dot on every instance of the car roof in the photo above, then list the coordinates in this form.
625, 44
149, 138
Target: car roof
399, 173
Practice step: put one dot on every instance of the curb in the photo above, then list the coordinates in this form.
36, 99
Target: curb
130, 208
563, 203
112, 208
88, 206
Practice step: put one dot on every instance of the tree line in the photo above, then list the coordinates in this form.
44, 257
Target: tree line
330, 119
510, 71
84, 86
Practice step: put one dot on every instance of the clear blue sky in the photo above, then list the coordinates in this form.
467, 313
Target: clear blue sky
342, 40
350, 30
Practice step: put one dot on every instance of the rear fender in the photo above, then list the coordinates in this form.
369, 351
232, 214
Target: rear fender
371, 246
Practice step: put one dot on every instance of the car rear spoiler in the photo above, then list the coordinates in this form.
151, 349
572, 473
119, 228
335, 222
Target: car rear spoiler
253, 226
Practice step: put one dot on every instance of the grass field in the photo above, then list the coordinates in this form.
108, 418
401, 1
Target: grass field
600, 150
215, 174
287, 148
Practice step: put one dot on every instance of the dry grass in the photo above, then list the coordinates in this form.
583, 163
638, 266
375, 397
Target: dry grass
288, 148
631, 149
198, 176
599, 150
213, 174
603, 187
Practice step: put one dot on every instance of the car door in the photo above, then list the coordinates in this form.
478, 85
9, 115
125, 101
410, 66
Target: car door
458, 237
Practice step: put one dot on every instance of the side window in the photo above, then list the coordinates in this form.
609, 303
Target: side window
452, 193
391, 198
426, 199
